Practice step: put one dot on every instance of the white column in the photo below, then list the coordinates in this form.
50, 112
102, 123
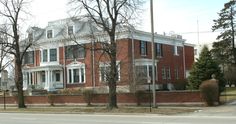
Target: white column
72, 76
24, 80
49, 78
51, 81
80, 77
30, 80
46, 80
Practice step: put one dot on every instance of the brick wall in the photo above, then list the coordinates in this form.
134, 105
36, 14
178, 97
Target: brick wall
177, 97
189, 57
124, 55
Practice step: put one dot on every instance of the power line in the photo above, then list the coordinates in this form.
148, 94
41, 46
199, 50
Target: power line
194, 32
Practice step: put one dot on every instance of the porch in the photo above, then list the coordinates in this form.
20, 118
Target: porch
48, 78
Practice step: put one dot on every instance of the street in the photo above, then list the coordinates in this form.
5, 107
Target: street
225, 114
27, 118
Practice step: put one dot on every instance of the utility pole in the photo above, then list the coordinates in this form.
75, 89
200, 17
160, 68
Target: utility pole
153, 57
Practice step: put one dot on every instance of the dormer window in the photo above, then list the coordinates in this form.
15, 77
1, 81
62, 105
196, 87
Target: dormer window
30, 37
70, 30
49, 34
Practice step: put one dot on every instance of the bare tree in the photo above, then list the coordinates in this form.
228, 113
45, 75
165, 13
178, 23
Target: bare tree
11, 11
3, 54
109, 15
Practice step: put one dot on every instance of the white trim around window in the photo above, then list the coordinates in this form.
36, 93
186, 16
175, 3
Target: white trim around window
104, 68
73, 29
47, 54
51, 34
76, 73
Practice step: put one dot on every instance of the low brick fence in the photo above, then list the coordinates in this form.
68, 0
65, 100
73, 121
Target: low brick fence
162, 97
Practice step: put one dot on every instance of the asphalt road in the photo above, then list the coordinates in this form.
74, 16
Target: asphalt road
23, 118
208, 115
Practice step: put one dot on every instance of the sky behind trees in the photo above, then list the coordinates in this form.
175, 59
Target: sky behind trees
184, 17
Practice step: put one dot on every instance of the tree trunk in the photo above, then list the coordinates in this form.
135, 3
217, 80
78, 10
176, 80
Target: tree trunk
112, 96
113, 76
18, 73
19, 83
233, 33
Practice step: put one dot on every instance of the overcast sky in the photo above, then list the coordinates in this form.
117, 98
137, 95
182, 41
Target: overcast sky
180, 16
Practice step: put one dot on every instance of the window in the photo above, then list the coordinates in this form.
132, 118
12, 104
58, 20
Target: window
76, 75
43, 76
168, 74
82, 74
70, 76
103, 73
81, 52
58, 76
53, 55
70, 30
143, 72
143, 48
75, 51
30, 37
150, 71
29, 57
45, 55
49, 34
176, 73
159, 50
163, 73
175, 50
105, 70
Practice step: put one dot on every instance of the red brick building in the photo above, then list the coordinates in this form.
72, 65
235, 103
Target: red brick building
56, 61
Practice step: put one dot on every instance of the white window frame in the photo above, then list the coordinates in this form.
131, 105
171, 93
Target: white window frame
143, 47
47, 33
159, 49
48, 55
147, 63
71, 68
73, 27
55, 75
43, 74
163, 72
42, 54
107, 65
78, 52
176, 50
176, 73
31, 35
168, 73
29, 57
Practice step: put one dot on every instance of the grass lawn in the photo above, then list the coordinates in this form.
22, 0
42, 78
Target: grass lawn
228, 95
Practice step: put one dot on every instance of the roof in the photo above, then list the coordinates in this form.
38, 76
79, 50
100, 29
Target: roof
83, 28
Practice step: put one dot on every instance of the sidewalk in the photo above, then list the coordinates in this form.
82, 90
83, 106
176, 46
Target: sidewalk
228, 109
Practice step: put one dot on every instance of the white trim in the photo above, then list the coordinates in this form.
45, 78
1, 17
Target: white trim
144, 62
107, 64
48, 62
73, 27
147, 63
72, 66
47, 33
